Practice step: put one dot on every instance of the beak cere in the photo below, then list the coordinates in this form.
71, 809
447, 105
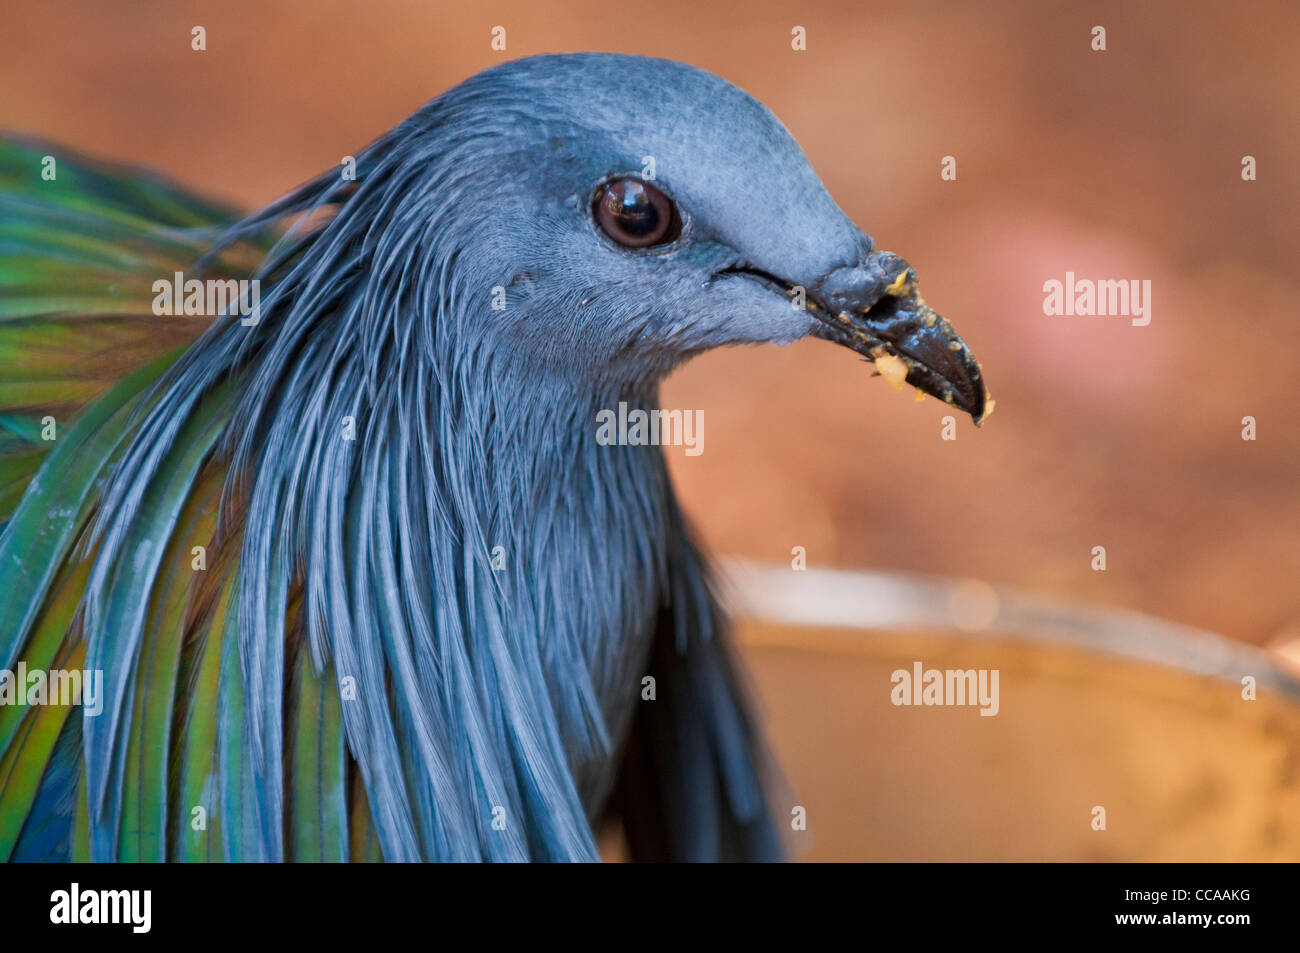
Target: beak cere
873, 308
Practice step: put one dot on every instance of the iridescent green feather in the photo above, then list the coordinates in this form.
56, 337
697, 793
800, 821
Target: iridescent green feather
80, 350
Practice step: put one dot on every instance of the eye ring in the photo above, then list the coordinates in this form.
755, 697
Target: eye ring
635, 214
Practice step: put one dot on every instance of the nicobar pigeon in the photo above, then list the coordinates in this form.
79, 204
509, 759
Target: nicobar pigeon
360, 579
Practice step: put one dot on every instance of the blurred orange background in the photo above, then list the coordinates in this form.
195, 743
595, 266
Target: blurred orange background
1119, 164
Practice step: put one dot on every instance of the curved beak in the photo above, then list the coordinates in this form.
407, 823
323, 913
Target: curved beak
874, 309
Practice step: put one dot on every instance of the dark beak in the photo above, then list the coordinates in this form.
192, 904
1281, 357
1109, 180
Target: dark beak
874, 309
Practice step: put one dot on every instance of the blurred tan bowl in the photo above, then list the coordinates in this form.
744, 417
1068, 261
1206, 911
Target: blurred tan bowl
1097, 708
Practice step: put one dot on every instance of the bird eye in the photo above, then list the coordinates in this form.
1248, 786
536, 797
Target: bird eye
636, 214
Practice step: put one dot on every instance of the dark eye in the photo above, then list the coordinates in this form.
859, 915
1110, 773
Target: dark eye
636, 214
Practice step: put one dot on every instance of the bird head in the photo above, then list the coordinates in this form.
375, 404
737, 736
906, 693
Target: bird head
624, 213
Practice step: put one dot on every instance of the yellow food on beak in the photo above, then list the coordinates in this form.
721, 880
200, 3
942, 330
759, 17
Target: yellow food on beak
898, 283
892, 369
